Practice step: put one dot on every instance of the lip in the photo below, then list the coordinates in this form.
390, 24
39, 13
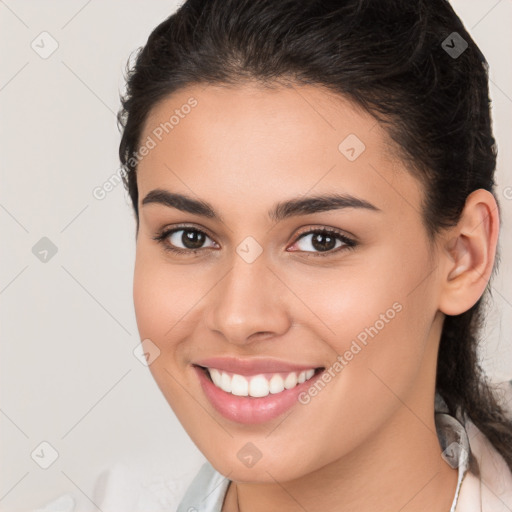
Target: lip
253, 366
249, 410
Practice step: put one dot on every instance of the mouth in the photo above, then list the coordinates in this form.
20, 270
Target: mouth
258, 385
254, 398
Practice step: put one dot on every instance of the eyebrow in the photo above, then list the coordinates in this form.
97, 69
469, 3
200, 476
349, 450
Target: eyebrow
280, 211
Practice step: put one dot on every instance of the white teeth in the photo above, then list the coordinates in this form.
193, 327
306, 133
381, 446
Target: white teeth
225, 382
239, 385
276, 384
290, 381
216, 377
257, 385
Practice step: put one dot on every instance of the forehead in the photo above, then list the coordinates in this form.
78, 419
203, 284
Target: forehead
249, 143
295, 113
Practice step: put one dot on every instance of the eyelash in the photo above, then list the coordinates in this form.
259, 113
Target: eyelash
349, 243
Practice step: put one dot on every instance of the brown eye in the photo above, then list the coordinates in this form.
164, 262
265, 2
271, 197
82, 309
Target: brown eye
183, 240
324, 242
190, 238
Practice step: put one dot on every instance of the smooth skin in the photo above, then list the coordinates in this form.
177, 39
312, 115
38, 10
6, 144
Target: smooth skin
367, 441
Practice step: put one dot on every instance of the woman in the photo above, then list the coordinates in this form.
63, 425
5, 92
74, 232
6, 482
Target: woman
316, 229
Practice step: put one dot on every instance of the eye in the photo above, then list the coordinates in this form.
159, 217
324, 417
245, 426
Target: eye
190, 238
326, 241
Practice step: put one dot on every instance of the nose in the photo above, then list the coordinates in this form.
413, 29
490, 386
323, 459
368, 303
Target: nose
248, 303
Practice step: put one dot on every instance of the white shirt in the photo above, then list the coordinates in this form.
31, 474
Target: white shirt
461, 442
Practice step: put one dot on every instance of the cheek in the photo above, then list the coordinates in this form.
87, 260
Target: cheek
150, 298
378, 331
161, 301
377, 317
164, 297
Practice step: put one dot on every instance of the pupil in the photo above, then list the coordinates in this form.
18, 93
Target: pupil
192, 239
329, 243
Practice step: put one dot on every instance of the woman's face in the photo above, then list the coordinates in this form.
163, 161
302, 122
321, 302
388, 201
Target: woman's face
265, 295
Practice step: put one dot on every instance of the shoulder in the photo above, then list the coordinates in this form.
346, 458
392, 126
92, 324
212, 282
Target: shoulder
206, 492
126, 486
487, 487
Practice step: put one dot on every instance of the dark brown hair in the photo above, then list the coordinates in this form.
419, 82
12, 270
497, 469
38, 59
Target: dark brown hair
398, 59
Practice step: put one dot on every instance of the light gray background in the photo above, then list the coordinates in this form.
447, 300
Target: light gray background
69, 376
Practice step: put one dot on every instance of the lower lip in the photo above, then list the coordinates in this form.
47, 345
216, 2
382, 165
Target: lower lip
248, 409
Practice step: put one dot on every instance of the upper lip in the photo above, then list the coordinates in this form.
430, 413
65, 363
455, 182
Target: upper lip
252, 366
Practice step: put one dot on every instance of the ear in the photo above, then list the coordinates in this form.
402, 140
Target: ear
469, 252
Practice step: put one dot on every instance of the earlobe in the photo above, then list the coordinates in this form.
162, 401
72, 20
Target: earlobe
469, 254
